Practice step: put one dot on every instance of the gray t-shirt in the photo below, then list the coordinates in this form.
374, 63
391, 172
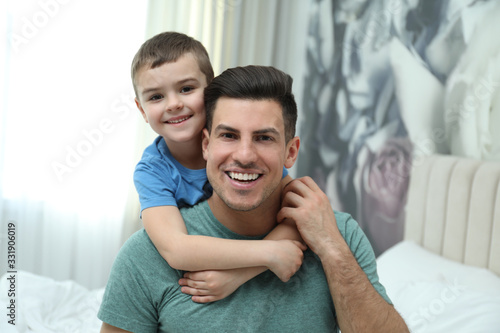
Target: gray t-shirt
143, 294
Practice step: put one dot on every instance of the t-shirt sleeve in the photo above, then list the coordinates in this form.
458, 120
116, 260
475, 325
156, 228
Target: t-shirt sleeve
154, 183
285, 172
362, 250
137, 289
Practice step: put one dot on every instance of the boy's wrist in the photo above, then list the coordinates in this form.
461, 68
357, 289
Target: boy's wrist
268, 254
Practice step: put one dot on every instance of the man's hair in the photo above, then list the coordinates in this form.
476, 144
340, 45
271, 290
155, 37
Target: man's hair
169, 47
254, 83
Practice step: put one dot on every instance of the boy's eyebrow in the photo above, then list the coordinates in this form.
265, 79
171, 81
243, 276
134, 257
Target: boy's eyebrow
188, 79
183, 81
147, 91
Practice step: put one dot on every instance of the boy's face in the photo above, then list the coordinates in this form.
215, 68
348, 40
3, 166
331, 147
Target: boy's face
170, 98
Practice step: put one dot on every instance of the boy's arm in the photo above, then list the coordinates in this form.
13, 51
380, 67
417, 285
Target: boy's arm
166, 228
213, 285
210, 286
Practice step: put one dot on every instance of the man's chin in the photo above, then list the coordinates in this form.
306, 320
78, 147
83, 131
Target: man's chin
241, 207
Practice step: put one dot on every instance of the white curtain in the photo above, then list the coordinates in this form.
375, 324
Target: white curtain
70, 134
67, 133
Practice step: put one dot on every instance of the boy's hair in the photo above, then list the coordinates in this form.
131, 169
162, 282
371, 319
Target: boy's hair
254, 83
169, 47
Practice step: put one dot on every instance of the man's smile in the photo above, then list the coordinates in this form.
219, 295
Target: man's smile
246, 177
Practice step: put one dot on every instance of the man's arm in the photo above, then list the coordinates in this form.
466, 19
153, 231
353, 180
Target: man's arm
359, 307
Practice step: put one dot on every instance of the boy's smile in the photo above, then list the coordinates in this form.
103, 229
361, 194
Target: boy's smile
177, 120
170, 98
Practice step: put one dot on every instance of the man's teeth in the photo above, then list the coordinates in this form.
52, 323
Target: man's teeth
243, 176
177, 121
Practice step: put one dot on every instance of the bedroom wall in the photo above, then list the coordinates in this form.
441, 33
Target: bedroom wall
389, 81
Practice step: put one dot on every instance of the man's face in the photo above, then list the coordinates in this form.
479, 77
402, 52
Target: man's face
246, 152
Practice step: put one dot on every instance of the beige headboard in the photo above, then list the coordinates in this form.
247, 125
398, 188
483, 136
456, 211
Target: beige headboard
453, 209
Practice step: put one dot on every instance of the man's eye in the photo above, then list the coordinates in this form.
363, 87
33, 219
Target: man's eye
265, 138
227, 136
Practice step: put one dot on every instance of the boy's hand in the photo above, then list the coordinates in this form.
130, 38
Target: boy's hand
211, 286
286, 258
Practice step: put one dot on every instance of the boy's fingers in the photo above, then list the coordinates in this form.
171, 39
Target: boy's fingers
193, 291
300, 245
191, 283
204, 299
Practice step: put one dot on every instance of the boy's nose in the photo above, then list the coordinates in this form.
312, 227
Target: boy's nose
174, 104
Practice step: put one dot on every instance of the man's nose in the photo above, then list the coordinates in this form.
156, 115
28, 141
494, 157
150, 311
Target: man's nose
245, 153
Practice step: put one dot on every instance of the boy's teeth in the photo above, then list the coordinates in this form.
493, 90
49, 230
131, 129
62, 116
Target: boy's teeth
177, 121
243, 176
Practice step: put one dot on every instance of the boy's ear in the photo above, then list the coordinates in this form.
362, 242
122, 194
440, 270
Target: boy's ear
292, 152
205, 142
139, 106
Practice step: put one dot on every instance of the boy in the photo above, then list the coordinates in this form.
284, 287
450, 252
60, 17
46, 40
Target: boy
169, 73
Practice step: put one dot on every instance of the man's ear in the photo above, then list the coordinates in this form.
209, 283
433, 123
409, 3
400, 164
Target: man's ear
292, 152
204, 143
139, 106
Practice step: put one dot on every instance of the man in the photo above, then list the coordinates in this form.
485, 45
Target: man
250, 136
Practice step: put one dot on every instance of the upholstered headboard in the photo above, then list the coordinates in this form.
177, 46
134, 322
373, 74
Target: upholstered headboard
453, 209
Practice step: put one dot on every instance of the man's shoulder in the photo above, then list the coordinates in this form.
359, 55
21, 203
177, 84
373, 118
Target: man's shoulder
139, 239
137, 247
197, 211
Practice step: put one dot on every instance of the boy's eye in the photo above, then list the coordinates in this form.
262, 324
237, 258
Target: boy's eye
186, 89
155, 97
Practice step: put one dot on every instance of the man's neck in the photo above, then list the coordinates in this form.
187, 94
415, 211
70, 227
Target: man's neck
256, 222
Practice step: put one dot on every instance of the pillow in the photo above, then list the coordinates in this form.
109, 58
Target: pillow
435, 294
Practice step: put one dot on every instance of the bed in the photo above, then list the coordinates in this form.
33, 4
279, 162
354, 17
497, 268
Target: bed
44, 305
443, 277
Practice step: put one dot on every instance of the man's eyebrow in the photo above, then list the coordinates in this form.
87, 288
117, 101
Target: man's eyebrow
222, 127
269, 130
227, 128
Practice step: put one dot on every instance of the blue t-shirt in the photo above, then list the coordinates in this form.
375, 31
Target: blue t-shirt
161, 180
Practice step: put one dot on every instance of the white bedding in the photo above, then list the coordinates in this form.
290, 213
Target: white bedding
45, 305
434, 294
